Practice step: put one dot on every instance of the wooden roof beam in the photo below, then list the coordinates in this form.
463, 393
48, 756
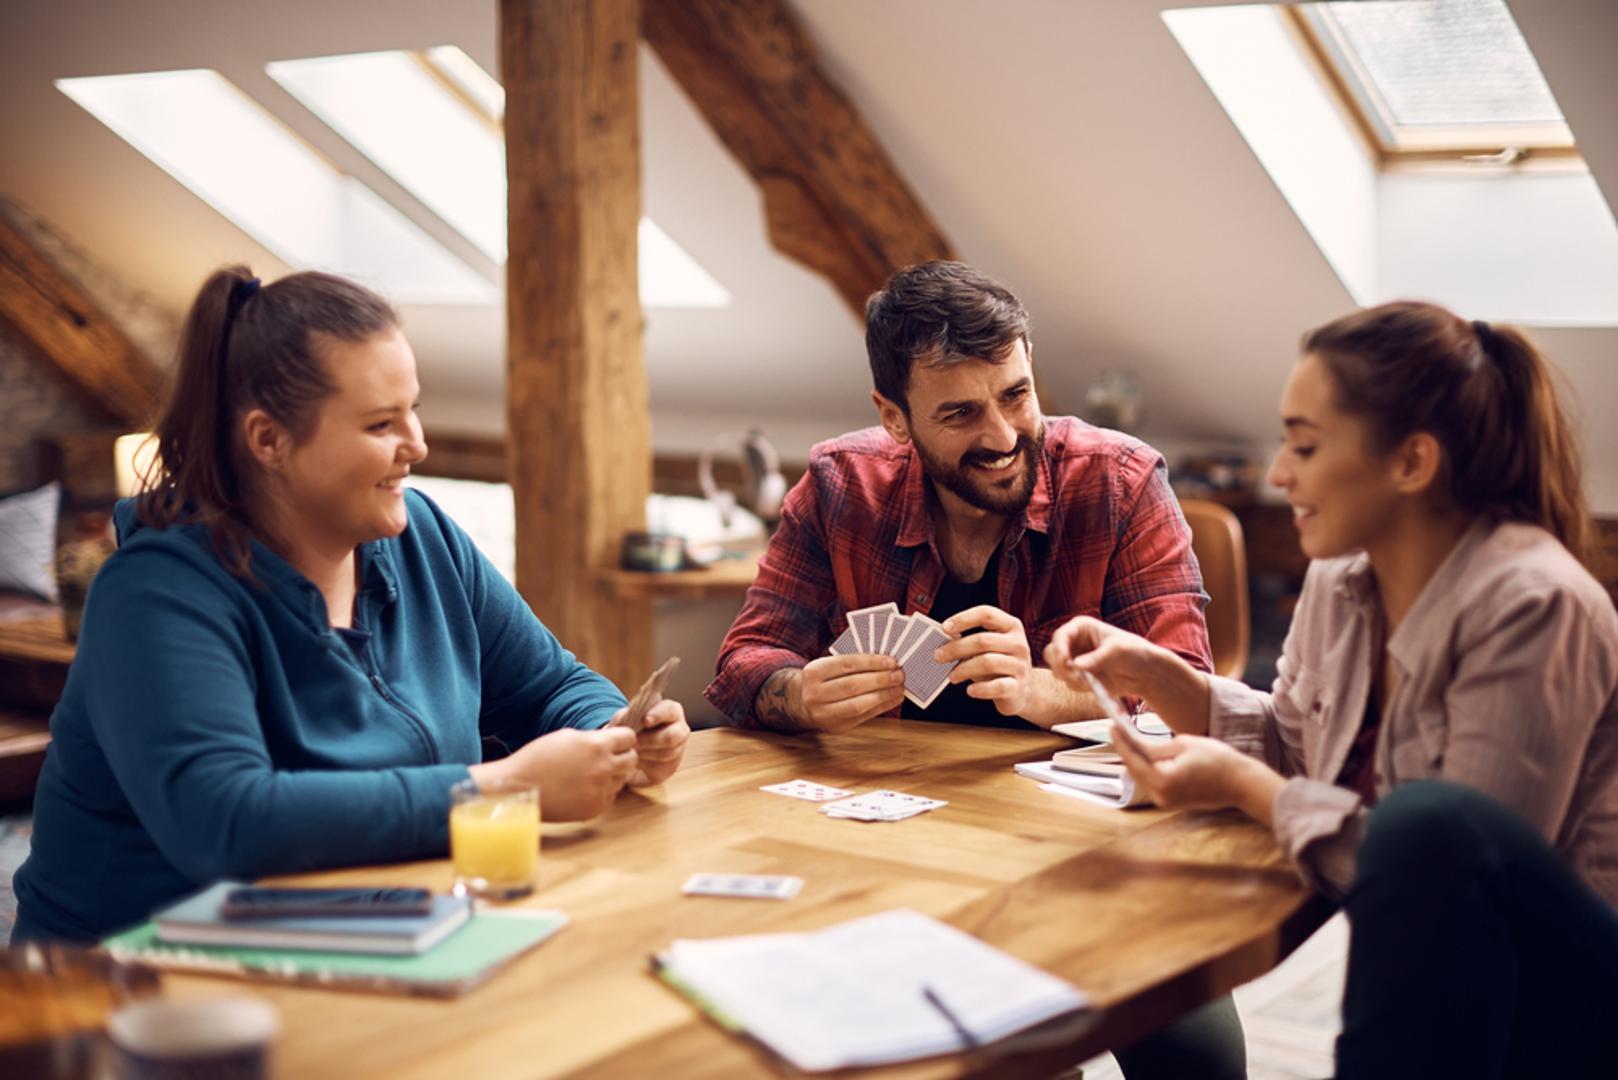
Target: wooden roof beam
832, 199
66, 329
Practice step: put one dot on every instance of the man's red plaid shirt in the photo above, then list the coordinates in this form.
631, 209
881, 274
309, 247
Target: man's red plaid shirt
1102, 535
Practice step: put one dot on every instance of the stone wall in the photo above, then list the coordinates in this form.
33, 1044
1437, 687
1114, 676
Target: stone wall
38, 401
35, 401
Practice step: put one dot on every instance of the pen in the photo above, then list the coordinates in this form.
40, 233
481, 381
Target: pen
968, 1040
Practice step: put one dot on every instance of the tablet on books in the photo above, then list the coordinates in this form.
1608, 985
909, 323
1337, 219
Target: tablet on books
481, 947
200, 920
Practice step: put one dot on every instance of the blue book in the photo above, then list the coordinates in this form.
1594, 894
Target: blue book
196, 921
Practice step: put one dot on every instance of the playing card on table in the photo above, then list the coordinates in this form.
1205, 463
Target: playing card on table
925, 678
748, 886
805, 789
881, 806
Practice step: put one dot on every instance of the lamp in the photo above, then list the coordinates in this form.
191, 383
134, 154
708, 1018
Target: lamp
135, 462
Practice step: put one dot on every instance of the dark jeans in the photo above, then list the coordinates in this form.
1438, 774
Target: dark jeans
1205, 1045
1475, 950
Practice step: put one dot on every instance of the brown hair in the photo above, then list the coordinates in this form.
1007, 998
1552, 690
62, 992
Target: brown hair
1484, 392
245, 347
940, 313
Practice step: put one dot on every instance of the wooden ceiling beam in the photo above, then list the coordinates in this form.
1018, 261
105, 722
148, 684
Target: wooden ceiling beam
832, 199
66, 330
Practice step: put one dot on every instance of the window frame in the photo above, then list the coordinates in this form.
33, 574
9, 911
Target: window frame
1392, 147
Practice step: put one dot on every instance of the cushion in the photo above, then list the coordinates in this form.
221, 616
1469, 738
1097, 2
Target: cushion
28, 541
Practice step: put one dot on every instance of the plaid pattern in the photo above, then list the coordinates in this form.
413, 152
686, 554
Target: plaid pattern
1102, 535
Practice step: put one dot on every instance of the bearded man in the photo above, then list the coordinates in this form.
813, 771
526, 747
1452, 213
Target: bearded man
968, 506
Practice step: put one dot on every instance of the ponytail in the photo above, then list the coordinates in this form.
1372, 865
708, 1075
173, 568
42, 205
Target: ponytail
1484, 392
245, 347
1542, 480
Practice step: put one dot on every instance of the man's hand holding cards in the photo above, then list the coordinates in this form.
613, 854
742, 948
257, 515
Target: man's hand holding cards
996, 660
909, 640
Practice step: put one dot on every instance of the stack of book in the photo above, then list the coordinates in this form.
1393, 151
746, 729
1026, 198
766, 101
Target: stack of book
1095, 773
197, 920
443, 953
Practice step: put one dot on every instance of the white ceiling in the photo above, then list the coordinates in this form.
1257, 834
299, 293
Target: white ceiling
1067, 148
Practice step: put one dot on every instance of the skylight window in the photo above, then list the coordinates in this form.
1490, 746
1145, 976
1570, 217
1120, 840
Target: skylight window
236, 157
671, 278
463, 72
1435, 75
1520, 244
429, 119
396, 111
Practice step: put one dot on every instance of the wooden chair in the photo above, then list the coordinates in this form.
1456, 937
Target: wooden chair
1216, 538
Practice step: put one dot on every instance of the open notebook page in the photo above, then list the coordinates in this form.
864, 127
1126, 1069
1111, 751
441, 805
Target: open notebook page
853, 994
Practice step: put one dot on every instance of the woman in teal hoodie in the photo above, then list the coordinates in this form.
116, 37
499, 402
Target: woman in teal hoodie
292, 657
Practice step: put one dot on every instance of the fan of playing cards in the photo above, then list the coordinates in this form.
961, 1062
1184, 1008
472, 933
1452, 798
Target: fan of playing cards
909, 639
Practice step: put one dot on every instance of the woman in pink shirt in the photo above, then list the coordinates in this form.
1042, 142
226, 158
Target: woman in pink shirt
1440, 748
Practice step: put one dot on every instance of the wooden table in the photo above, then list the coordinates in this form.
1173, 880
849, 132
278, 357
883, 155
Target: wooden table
1150, 912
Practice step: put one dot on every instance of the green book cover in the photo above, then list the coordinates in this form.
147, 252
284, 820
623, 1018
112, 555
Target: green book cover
488, 941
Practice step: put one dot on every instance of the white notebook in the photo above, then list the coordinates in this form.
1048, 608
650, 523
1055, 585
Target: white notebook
1149, 724
1120, 791
857, 993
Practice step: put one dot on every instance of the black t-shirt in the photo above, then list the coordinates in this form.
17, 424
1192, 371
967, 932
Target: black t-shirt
953, 706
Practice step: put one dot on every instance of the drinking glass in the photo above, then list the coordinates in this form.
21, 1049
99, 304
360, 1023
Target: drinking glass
494, 838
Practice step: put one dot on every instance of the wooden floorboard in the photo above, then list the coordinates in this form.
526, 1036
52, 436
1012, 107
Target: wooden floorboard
1291, 1016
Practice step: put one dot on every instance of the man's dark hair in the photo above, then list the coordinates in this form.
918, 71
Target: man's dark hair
938, 313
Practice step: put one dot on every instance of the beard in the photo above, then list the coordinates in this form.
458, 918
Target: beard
1007, 496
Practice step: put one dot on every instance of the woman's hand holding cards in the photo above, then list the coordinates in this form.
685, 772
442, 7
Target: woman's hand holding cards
1198, 773
660, 744
578, 772
1130, 665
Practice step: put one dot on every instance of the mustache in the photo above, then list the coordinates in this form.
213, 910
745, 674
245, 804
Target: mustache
1023, 448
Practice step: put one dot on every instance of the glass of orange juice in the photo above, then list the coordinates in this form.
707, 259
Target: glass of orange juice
494, 838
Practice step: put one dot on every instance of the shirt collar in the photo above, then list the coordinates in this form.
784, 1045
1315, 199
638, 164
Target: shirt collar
377, 575
1358, 583
916, 523
377, 572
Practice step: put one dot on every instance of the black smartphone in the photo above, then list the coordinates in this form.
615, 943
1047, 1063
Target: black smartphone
274, 903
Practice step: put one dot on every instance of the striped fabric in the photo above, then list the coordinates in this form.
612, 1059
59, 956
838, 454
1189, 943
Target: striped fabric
1102, 535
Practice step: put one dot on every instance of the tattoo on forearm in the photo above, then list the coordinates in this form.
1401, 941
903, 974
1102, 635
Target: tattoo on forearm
773, 705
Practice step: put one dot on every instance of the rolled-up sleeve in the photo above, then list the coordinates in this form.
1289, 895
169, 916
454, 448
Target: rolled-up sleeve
1316, 822
1530, 681
1267, 726
782, 622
